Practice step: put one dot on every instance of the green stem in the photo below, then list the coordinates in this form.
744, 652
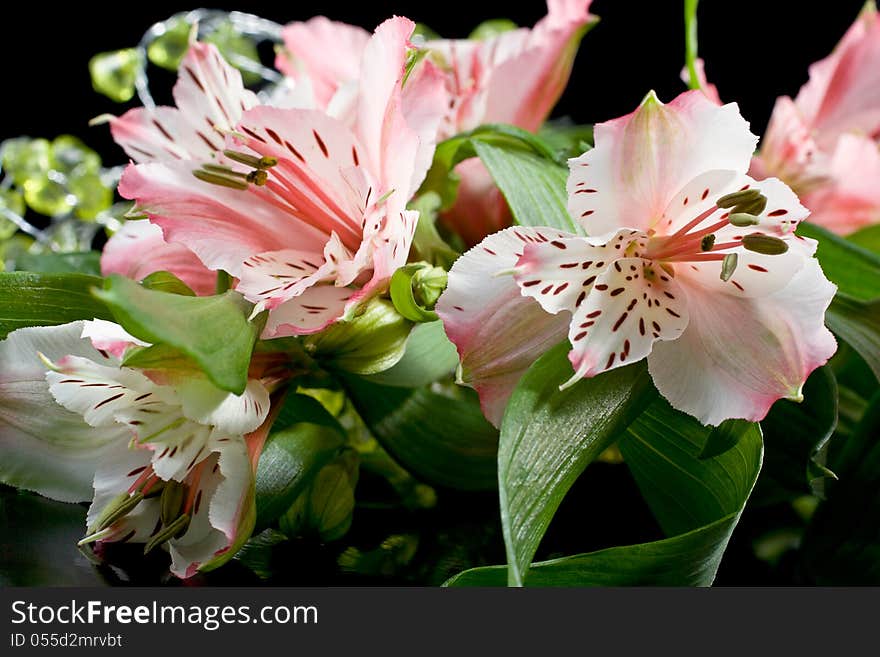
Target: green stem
690, 42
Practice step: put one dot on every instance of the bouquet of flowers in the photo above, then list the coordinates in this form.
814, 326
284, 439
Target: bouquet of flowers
326, 297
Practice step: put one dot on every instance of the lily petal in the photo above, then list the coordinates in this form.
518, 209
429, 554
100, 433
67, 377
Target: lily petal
642, 160
43, 446
306, 60
497, 331
739, 355
138, 249
630, 307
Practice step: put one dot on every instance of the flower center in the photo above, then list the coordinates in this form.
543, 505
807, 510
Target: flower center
696, 240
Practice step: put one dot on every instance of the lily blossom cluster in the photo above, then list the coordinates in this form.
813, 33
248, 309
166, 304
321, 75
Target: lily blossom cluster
306, 210
826, 142
171, 458
688, 262
514, 77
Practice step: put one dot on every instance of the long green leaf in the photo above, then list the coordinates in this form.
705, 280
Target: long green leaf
662, 450
697, 501
854, 269
842, 543
549, 436
796, 436
213, 331
686, 560
440, 439
29, 299
858, 324
85, 262
534, 187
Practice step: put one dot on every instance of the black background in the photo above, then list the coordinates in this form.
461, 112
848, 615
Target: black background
755, 50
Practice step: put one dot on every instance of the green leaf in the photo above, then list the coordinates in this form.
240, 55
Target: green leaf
165, 281
662, 448
293, 456
429, 356
533, 187
369, 343
855, 270
443, 181
686, 560
213, 331
722, 438
30, 299
566, 137
867, 238
299, 408
86, 262
842, 543
796, 436
698, 500
858, 324
548, 437
441, 439
325, 510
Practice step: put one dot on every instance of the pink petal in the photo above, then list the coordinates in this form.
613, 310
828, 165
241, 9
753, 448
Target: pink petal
138, 249
398, 132
789, 150
642, 160
480, 208
310, 312
843, 94
851, 198
498, 332
222, 226
518, 76
306, 57
210, 92
109, 337
739, 355
524, 88
708, 89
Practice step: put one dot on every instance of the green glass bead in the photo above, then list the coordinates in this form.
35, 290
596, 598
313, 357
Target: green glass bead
48, 197
113, 73
24, 158
92, 197
69, 154
12, 200
168, 49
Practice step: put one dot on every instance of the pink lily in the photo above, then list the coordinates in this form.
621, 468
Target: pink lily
690, 263
210, 95
311, 216
73, 418
826, 142
516, 78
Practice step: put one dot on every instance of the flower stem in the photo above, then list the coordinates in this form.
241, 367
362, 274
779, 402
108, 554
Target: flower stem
690, 42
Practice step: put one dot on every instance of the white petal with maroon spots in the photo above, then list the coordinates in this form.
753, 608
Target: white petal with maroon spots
313, 310
498, 332
204, 403
560, 273
632, 304
97, 392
